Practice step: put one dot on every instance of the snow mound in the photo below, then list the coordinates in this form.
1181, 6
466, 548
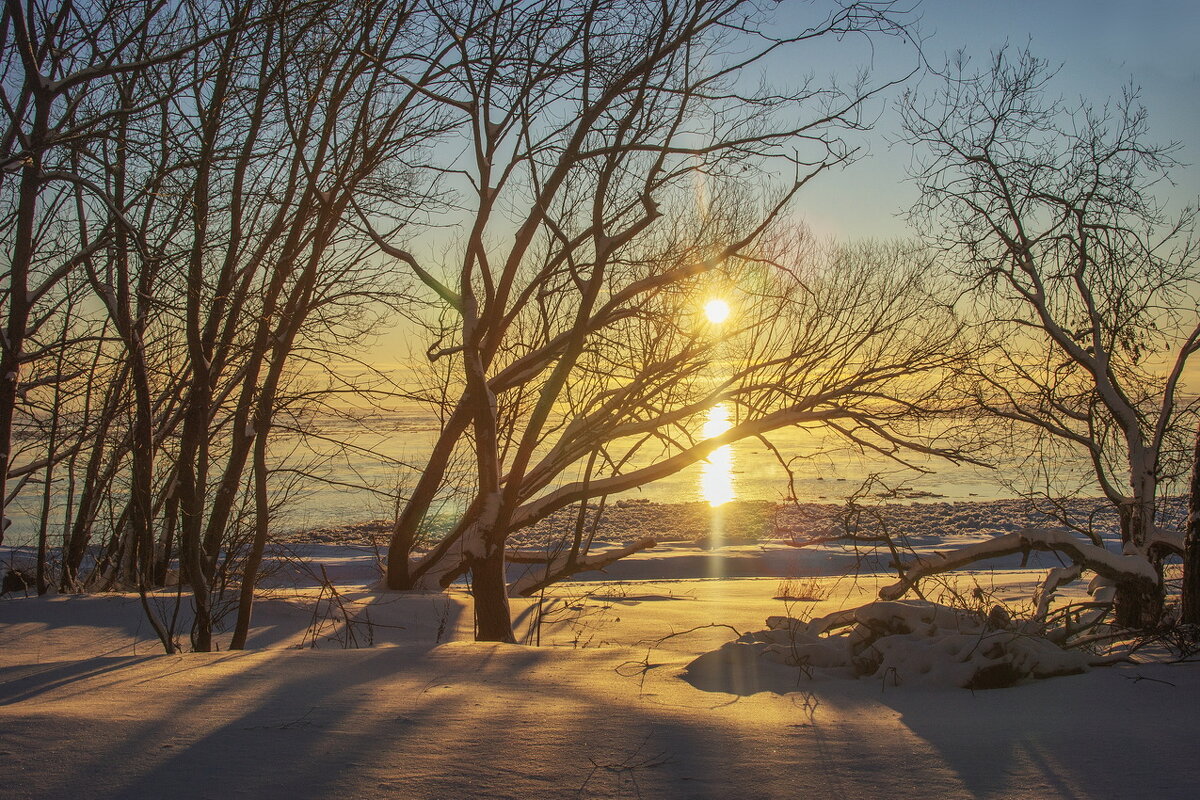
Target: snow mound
902, 643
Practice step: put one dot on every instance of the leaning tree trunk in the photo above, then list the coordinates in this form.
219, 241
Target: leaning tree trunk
241, 628
1191, 548
404, 532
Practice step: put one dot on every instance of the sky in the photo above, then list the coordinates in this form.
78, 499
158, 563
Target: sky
1101, 47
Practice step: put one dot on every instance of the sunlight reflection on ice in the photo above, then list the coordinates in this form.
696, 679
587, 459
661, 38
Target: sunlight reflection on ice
716, 484
716, 476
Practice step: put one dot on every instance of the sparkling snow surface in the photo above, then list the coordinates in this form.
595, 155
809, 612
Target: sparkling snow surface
90, 708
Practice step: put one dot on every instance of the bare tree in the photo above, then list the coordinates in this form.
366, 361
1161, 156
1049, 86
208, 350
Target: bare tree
59, 62
201, 177
1082, 280
294, 123
614, 170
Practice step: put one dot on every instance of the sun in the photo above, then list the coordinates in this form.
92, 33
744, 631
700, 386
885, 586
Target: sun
717, 311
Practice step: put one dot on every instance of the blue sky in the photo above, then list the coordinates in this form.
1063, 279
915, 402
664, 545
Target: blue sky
1102, 47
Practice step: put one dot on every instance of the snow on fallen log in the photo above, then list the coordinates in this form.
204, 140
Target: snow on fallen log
1112, 566
560, 567
1056, 577
899, 642
1170, 540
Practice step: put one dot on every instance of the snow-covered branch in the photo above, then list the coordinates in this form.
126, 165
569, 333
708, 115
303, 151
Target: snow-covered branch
1116, 568
563, 566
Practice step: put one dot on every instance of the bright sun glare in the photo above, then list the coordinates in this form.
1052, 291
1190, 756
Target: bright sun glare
717, 311
716, 476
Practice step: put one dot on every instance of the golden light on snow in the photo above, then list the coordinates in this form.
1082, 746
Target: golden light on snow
716, 474
717, 311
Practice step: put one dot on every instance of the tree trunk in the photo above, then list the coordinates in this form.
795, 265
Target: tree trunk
1138, 606
191, 508
11, 356
404, 532
141, 491
254, 560
1191, 548
77, 528
493, 622
166, 543
43, 547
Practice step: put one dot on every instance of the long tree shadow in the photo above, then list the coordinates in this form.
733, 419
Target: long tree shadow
30, 681
1091, 735
458, 720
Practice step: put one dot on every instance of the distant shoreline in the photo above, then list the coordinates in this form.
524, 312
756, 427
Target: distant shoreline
748, 521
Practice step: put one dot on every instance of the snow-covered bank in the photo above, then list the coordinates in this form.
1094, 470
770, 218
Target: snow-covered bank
739, 539
605, 707
88, 709
760, 538
466, 720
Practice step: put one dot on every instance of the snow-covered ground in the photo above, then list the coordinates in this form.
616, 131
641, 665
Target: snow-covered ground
605, 707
